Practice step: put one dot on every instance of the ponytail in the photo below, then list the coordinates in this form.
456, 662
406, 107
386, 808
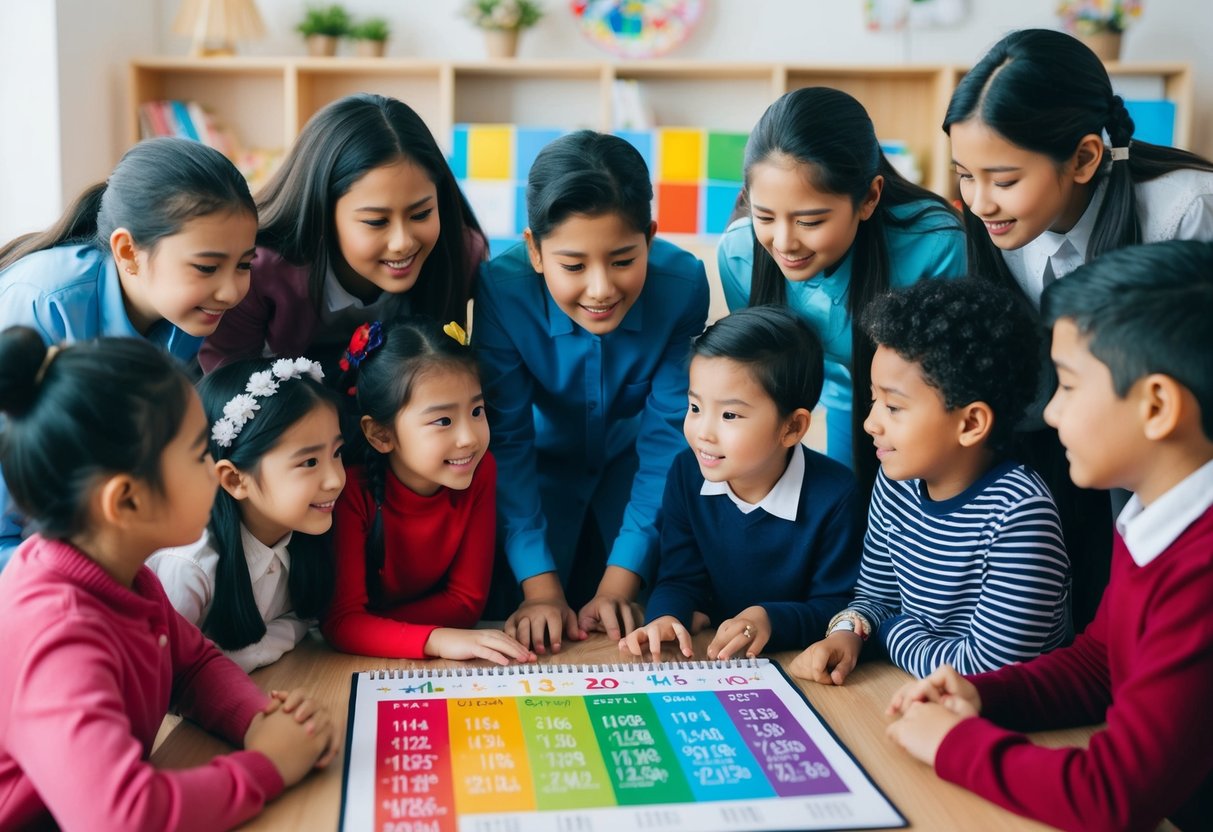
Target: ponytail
77, 225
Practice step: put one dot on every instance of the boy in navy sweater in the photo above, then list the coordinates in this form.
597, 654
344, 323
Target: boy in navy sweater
758, 532
1134, 410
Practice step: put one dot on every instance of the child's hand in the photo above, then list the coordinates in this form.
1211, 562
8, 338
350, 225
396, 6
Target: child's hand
829, 661
748, 632
493, 645
612, 610
292, 747
699, 622
922, 728
543, 619
309, 713
665, 628
945, 686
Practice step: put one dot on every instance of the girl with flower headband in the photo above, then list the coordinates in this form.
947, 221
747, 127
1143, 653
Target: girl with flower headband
415, 528
1042, 195
363, 220
262, 570
584, 332
104, 444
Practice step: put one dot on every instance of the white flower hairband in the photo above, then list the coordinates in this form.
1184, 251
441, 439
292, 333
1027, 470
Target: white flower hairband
261, 385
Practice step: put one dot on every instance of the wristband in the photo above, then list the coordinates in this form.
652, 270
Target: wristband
850, 621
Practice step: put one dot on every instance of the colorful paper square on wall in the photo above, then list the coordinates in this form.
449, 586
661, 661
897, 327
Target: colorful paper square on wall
696, 175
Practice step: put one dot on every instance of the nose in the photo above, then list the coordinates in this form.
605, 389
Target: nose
1053, 409
232, 288
334, 476
400, 241
983, 203
784, 240
597, 284
871, 425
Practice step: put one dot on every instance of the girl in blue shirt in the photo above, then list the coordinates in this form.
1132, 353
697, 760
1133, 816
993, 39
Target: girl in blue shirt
160, 251
831, 225
583, 334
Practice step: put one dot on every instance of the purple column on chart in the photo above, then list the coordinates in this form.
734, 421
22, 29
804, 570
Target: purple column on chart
791, 760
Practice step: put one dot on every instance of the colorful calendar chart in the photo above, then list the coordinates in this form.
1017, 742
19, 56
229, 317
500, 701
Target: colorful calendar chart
598, 748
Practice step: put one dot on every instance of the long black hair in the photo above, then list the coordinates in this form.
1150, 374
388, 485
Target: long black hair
830, 135
1044, 91
336, 148
234, 620
157, 187
90, 410
592, 174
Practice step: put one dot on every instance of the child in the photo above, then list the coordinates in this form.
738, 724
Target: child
363, 220
585, 377
104, 445
1043, 195
828, 219
1134, 409
963, 559
277, 445
161, 251
415, 527
757, 531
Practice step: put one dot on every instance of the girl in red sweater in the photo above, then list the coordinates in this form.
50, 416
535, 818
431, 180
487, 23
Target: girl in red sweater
415, 525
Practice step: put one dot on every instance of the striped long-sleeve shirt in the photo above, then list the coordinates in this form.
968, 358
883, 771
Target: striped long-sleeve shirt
978, 581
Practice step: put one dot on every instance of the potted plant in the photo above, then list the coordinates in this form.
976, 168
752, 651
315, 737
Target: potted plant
370, 37
1099, 23
322, 26
501, 21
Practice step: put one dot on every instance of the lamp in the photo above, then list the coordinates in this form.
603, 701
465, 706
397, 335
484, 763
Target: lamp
214, 25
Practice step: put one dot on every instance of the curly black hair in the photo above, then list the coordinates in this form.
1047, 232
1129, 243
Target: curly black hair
974, 341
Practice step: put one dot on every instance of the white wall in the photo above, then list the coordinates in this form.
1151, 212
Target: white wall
65, 88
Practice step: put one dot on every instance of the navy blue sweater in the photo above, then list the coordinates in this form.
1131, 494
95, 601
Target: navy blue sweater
719, 560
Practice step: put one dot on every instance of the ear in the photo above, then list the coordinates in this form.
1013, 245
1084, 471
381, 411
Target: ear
1163, 405
126, 255
231, 479
379, 436
795, 427
872, 198
976, 421
652, 232
120, 500
1087, 158
532, 248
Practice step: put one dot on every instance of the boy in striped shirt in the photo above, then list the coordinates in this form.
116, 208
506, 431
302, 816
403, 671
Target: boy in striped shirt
963, 560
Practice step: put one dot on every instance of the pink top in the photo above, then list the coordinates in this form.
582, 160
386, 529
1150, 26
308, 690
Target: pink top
88, 671
1145, 665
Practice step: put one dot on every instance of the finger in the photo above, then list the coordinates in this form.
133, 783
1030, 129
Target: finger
653, 635
575, 631
735, 645
305, 710
524, 633
756, 644
628, 618
632, 643
555, 624
609, 615
684, 639
329, 754
484, 651
511, 627
842, 670
819, 666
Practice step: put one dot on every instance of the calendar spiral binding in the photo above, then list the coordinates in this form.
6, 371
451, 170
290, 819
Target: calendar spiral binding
559, 669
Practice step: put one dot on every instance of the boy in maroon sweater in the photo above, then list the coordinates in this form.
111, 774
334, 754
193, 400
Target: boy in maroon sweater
1133, 347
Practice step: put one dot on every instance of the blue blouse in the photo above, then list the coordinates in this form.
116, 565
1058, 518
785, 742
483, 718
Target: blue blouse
933, 246
563, 403
70, 293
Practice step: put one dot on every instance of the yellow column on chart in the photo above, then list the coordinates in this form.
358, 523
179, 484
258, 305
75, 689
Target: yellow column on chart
491, 152
488, 756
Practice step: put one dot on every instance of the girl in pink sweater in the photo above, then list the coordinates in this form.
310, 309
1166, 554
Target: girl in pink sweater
103, 444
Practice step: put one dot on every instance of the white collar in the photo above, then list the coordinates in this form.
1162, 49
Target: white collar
259, 556
783, 500
1051, 244
1149, 530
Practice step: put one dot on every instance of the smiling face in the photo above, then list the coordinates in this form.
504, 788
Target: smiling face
1019, 194
440, 436
806, 231
735, 428
190, 278
296, 483
594, 268
387, 225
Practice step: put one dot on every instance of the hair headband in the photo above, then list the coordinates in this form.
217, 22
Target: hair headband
261, 385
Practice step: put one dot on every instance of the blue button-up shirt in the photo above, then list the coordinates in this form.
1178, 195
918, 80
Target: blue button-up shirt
564, 403
70, 293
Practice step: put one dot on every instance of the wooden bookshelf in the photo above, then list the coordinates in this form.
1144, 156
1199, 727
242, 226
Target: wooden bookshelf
266, 101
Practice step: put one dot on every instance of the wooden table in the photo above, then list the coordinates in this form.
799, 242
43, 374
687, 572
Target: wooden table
855, 712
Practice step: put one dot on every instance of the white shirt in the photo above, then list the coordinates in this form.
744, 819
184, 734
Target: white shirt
783, 500
1149, 530
188, 576
1175, 206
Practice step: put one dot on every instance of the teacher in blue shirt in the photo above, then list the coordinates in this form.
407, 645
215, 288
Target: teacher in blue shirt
583, 334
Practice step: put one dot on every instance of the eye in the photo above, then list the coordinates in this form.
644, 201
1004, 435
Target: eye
379, 223
310, 462
694, 407
809, 223
477, 411
892, 409
442, 422
246, 267
206, 457
422, 216
964, 177
1005, 184
729, 416
623, 264
572, 267
206, 269
340, 452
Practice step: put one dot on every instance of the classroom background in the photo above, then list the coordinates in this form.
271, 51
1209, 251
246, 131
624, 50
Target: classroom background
71, 98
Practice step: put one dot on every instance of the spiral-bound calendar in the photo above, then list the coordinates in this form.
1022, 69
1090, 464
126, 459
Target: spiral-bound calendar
683, 745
